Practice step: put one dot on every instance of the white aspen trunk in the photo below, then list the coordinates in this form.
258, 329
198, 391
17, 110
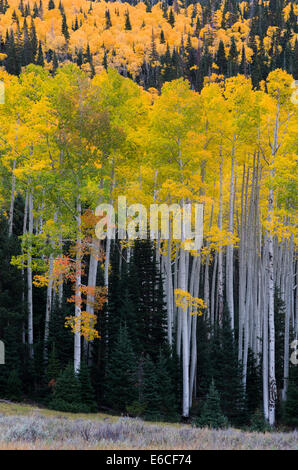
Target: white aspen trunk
183, 314
169, 292
78, 293
49, 301
193, 364
220, 254
265, 344
60, 287
92, 274
229, 255
213, 283
287, 323
48, 308
29, 282
13, 190
272, 379
23, 270
107, 263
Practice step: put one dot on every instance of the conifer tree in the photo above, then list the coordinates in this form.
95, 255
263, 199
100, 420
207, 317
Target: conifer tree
211, 415
40, 59
120, 379
127, 25
290, 412
67, 394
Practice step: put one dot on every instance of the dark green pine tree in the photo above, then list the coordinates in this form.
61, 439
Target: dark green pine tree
87, 392
171, 19
290, 412
221, 60
204, 364
127, 25
168, 71
151, 396
51, 5
76, 25
243, 63
33, 39
12, 314
253, 385
166, 381
54, 367
65, 31
12, 62
27, 52
232, 59
79, 59
35, 10
211, 415
146, 292
227, 374
120, 389
55, 62
61, 338
162, 37
108, 19
14, 386
295, 60
67, 393
40, 59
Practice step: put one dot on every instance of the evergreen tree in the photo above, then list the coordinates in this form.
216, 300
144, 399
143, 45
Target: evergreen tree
221, 60
227, 374
171, 19
67, 395
65, 27
290, 412
211, 415
108, 19
120, 380
40, 59
87, 392
127, 25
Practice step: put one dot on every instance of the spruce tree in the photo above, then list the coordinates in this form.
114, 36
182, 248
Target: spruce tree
171, 19
65, 27
227, 374
211, 415
67, 395
87, 392
127, 25
40, 59
120, 388
290, 412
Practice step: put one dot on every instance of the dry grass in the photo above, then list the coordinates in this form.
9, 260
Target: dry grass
31, 428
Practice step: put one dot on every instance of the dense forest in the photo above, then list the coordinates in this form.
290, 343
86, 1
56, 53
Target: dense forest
163, 103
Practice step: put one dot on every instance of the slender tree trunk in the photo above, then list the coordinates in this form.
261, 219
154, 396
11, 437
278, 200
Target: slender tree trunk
13, 190
78, 293
29, 281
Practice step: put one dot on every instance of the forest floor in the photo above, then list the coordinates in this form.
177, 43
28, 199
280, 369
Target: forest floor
27, 427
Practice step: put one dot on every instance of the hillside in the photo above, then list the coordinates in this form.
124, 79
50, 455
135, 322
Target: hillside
202, 41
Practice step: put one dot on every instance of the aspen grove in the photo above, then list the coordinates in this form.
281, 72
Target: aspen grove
147, 327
